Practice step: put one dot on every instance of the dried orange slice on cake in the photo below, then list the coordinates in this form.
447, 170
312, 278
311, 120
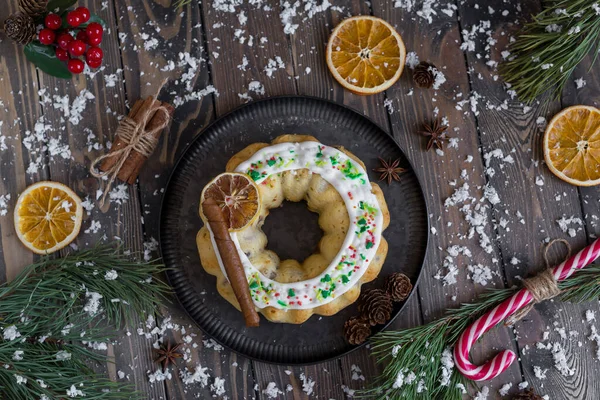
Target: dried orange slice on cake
365, 54
48, 217
572, 145
238, 197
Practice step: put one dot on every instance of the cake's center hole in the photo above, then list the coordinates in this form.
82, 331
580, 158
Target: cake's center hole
293, 231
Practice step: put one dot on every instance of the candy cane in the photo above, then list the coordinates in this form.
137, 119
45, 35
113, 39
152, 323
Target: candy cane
522, 298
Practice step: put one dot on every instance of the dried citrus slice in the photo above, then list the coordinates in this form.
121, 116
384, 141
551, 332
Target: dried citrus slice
238, 197
365, 54
572, 145
48, 217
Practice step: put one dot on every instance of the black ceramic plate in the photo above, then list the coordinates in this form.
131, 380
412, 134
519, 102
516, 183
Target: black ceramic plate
292, 230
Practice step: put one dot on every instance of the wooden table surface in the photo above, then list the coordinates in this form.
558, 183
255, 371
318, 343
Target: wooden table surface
498, 146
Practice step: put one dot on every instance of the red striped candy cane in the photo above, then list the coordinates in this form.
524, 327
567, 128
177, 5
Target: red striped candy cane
522, 298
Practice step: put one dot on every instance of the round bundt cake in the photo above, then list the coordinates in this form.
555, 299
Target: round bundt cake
352, 214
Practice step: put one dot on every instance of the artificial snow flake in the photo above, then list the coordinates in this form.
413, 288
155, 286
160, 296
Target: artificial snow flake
307, 384
4, 199
273, 65
356, 373
412, 60
149, 247
218, 386
63, 355
438, 77
579, 83
119, 194
272, 391
560, 360
92, 307
111, 275
590, 315
159, 376
198, 376
447, 361
212, 344
389, 105
95, 226
503, 391
73, 111
11, 333
74, 392
539, 372
482, 394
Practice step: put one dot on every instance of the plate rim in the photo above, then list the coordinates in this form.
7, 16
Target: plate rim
254, 104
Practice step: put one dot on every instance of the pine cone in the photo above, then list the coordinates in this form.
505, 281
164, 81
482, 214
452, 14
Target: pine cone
376, 306
33, 8
423, 75
528, 394
20, 28
398, 286
356, 330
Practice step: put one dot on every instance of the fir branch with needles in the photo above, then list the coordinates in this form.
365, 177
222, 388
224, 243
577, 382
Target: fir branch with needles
57, 310
181, 3
418, 362
548, 49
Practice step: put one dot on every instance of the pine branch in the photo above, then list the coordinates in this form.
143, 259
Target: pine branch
550, 47
418, 361
181, 3
56, 308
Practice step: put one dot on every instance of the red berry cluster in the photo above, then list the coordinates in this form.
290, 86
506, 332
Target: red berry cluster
69, 48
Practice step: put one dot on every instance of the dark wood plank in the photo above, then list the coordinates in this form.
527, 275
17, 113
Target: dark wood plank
308, 51
439, 43
589, 94
541, 200
175, 33
234, 65
117, 221
19, 111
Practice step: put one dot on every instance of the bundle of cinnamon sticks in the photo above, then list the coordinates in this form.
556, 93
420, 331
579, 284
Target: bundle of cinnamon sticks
151, 111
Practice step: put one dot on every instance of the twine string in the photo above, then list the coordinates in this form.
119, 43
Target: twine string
542, 286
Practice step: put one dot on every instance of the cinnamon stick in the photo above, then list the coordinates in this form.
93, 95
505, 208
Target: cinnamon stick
231, 261
133, 164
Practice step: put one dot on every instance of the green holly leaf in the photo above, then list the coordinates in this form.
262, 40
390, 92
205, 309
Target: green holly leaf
59, 6
44, 57
345, 279
291, 293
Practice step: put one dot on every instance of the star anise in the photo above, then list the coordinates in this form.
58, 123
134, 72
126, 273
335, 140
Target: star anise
436, 133
168, 354
389, 170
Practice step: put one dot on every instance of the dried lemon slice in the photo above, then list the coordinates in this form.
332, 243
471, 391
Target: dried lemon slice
238, 197
572, 145
365, 54
47, 217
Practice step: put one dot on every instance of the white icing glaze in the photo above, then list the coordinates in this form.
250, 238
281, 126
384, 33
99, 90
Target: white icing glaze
361, 242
